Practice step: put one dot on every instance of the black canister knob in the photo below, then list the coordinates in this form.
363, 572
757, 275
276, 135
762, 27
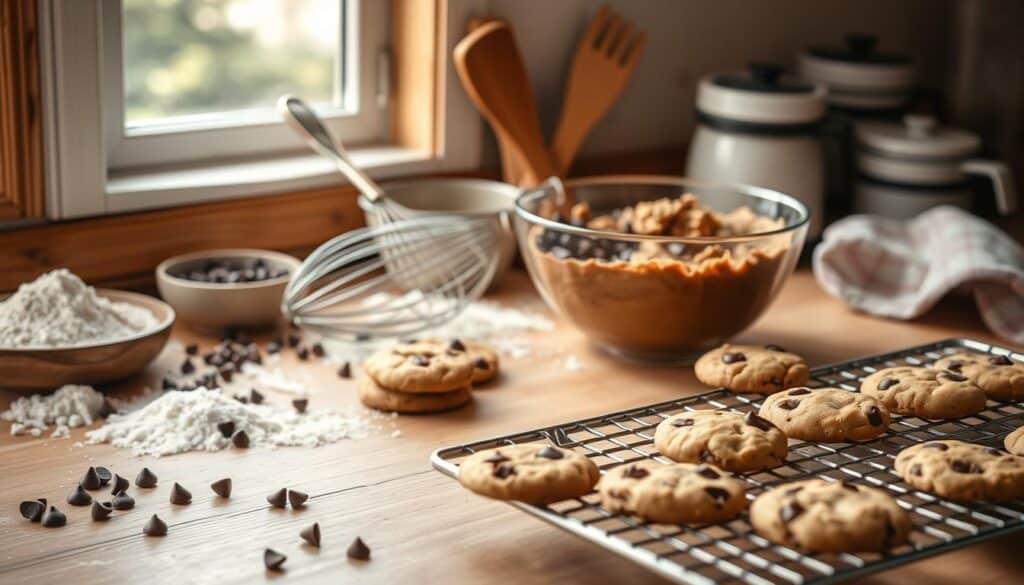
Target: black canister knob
766, 74
861, 45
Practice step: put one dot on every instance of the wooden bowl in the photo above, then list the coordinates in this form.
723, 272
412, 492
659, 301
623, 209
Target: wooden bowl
49, 368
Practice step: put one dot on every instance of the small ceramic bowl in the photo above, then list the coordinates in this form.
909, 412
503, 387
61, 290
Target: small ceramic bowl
213, 307
39, 369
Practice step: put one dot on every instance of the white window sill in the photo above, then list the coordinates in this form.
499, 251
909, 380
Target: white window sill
227, 180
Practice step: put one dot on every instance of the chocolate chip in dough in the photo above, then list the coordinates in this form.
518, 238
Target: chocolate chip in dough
54, 518
100, 511
420, 361
32, 510
886, 383
255, 397
874, 416
752, 419
773, 347
222, 487
300, 404
953, 376
634, 472
848, 486
964, 466
789, 404
345, 371
240, 439
733, 357
799, 391
936, 446
180, 496
790, 510
496, 458
457, 345
278, 499
311, 534
1000, 360
993, 451
955, 366
146, 478
122, 501
297, 499
155, 527
915, 470
91, 480
503, 471
683, 422
706, 472
226, 428
550, 452
719, 495
121, 484
79, 497
104, 474
273, 560
481, 364
358, 550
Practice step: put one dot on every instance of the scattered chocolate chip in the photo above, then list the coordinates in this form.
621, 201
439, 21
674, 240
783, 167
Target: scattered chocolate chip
789, 404
683, 422
964, 466
752, 419
180, 496
790, 510
273, 560
273, 347
242, 399
91, 480
874, 416
420, 361
733, 357
302, 353
145, 479
278, 499
155, 527
707, 472
222, 487
300, 404
503, 471
550, 452
297, 499
936, 446
719, 495
358, 550
318, 350
1000, 360
240, 439
54, 518
915, 469
79, 497
168, 384
255, 397
120, 484
634, 472
773, 347
227, 372
123, 501
311, 534
799, 391
104, 474
192, 349
345, 371
32, 510
101, 511
226, 428
952, 376
187, 367
481, 364
496, 458
294, 339
886, 383
457, 345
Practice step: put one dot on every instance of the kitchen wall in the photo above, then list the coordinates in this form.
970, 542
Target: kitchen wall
690, 38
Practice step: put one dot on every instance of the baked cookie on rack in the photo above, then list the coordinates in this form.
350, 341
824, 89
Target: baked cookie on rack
531, 473
751, 368
999, 376
373, 395
816, 515
925, 392
827, 415
962, 471
677, 493
733, 441
421, 366
1014, 442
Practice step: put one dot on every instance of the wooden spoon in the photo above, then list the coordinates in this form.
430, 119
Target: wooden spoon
604, 61
492, 71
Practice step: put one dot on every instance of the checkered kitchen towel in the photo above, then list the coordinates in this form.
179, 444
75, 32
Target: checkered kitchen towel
901, 269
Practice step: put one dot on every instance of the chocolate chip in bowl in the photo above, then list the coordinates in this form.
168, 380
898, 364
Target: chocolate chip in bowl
656, 269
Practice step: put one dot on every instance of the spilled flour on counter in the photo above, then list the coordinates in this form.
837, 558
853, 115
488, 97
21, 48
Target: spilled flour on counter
59, 310
69, 407
178, 422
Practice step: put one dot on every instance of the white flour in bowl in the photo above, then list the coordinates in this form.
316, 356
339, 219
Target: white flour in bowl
59, 310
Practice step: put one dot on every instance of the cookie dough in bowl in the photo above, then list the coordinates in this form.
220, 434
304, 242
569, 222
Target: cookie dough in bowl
656, 269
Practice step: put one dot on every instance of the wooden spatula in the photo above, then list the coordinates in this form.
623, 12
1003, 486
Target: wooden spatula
603, 63
491, 69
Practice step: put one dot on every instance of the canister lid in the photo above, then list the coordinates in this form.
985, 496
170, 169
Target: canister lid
762, 95
858, 65
860, 48
919, 136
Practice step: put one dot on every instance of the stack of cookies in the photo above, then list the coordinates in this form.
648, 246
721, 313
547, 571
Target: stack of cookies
426, 375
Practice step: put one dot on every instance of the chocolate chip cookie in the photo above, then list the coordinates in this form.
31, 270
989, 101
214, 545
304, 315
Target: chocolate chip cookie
816, 515
751, 368
999, 376
485, 361
732, 441
533, 473
429, 365
1014, 442
373, 395
678, 493
962, 471
827, 415
925, 392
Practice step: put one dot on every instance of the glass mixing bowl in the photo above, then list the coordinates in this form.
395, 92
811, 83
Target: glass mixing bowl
657, 298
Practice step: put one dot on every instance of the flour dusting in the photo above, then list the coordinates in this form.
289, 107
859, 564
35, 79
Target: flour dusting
69, 407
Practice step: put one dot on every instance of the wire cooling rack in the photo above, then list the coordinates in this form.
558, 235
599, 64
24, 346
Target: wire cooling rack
732, 552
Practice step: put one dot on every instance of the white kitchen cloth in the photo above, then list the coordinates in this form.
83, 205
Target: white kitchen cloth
900, 269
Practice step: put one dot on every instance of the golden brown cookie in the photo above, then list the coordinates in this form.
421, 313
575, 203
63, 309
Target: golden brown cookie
999, 376
962, 471
677, 493
532, 473
925, 392
373, 395
827, 415
424, 366
732, 441
751, 368
1014, 442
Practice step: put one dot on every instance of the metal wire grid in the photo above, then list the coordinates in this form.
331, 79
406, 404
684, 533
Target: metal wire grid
732, 552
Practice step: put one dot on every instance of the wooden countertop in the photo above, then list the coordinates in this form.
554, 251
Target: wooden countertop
421, 526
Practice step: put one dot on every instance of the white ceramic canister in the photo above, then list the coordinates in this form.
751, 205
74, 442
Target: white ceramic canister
858, 76
907, 168
762, 129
